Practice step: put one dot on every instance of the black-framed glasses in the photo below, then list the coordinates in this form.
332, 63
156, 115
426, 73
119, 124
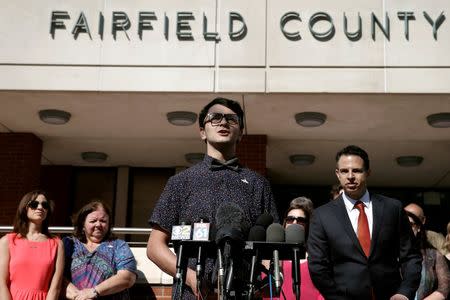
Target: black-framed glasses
34, 204
216, 118
300, 220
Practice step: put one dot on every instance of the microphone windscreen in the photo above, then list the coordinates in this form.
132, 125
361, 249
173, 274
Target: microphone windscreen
231, 222
275, 233
257, 233
295, 233
264, 220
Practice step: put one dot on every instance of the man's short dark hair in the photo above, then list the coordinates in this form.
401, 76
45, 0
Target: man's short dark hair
355, 150
231, 104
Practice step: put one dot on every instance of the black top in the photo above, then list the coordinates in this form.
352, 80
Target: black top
198, 192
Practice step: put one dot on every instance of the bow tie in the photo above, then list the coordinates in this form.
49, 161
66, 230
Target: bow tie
232, 164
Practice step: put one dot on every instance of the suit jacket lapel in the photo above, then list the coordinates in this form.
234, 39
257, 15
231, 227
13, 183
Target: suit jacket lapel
342, 216
377, 210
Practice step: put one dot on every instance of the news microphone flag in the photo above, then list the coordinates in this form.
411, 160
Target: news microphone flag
181, 232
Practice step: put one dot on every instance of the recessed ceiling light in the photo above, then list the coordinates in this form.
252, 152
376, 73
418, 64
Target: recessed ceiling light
440, 120
310, 119
181, 118
302, 159
54, 116
409, 161
94, 157
194, 158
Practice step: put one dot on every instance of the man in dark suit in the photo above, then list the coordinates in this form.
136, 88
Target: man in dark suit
360, 245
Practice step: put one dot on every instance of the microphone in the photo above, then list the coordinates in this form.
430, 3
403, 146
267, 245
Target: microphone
295, 233
257, 233
200, 233
180, 233
232, 227
275, 233
264, 220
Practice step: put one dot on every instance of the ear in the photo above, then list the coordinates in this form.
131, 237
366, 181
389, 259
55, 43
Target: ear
336, 171
202, 134
368, 172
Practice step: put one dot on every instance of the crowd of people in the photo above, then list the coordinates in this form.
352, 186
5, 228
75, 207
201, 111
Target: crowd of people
360, 245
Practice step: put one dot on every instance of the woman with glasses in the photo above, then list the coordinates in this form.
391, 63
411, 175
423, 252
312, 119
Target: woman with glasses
435, 276
31, 259
299, 212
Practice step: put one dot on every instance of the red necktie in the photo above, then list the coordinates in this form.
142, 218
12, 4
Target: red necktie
363, 228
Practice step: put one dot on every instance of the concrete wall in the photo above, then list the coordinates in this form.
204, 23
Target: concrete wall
408, 58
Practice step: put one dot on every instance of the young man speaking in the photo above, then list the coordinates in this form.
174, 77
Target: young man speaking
200, 190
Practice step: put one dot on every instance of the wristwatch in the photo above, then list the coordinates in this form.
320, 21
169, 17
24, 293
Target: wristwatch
96, 294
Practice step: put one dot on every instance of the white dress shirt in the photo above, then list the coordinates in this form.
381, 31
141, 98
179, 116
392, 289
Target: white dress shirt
353, 212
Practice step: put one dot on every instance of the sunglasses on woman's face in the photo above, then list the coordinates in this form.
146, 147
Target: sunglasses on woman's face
34, 204
300, 220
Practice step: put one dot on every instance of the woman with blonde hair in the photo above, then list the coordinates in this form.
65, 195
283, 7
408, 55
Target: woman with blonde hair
31, 259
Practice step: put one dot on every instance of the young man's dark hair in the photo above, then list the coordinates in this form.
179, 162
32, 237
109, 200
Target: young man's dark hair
355, 150
231, 104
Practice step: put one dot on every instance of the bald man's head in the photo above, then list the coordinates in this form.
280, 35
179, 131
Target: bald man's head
416, 210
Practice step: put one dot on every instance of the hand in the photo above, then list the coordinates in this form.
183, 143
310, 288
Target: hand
72, 292
399, 297
86, 294
191, 280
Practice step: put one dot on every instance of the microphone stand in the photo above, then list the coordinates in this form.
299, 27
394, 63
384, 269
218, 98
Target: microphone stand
230, 277
220, 276
199, 270
180, 276
251, 285
296, 273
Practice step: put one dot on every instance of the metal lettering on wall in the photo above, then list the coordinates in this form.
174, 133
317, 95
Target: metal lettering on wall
238, 29
405, 16
122, 23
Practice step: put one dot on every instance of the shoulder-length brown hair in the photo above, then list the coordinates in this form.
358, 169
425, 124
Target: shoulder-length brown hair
21, 219
80, 218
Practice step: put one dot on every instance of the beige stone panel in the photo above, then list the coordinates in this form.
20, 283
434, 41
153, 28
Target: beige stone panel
241, 80
421, 49
157, 79
147, 271
339, 51
421, 80
338, 80
25, 33
154, 49
25, 36
250, 51
49, 78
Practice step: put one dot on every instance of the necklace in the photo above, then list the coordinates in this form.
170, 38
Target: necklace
35, 238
